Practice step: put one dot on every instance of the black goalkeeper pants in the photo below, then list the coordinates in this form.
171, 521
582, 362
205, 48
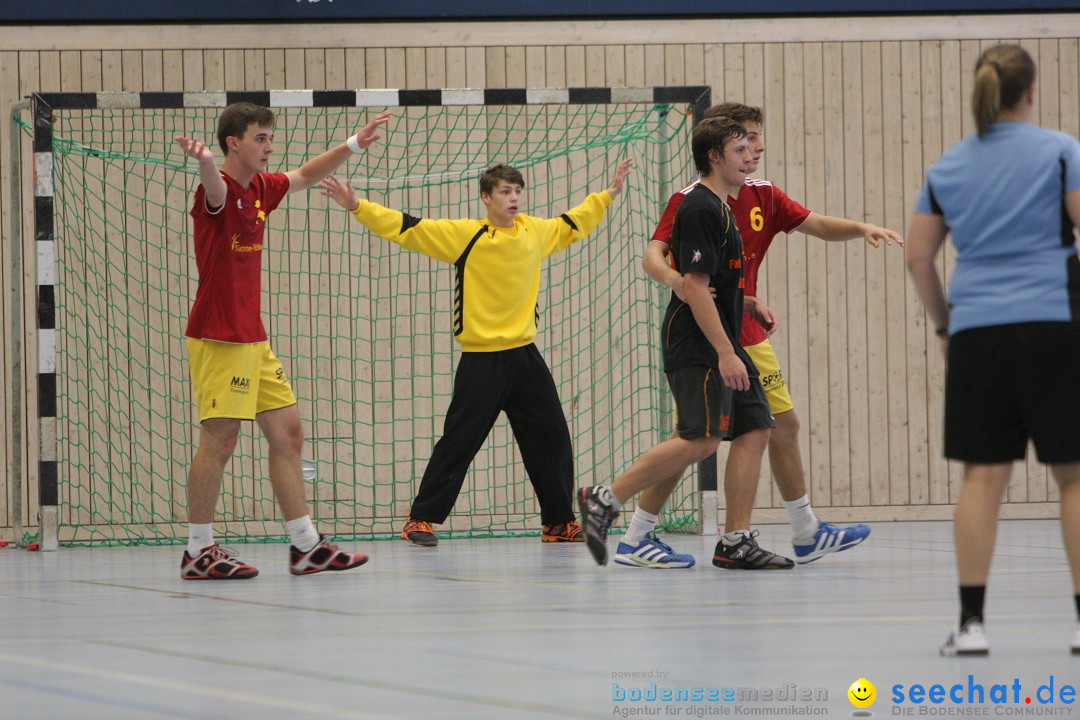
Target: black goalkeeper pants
519, 383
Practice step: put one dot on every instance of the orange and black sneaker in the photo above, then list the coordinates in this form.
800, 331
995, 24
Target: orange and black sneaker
419, 532
563, 532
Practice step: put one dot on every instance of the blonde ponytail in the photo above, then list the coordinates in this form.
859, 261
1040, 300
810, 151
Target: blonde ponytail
1002, 76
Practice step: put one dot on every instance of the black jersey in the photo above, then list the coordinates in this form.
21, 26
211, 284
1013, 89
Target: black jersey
705, 240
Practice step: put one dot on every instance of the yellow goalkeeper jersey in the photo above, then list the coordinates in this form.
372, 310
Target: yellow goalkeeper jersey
497, 269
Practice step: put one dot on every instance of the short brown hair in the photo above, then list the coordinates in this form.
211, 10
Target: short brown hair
238, 117
738, 112
713, 134
497, 173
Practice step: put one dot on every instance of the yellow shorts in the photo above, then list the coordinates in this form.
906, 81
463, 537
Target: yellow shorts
234, 380
771, 378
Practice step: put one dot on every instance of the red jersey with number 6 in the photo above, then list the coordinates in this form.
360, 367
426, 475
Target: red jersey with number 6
761, 211
228, 253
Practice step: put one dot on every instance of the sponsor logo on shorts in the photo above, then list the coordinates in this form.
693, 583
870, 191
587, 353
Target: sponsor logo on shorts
725, 423
771, 380
282, 378
240, 385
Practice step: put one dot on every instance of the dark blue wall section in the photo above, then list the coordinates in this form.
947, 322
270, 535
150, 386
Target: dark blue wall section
76, 11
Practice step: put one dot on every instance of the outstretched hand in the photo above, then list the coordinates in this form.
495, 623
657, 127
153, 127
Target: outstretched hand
368, 134
621, 173
874, 235
339, 192
196, 149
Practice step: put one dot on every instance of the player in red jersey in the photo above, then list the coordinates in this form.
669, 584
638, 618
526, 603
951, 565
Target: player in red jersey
235, 375
761, 211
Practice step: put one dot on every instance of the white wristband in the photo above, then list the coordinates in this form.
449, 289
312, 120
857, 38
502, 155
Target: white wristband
353, 143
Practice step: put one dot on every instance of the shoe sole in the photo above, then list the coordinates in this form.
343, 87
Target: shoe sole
818, 554
967, 653
630, 561
549, 539
422, 543
597, 548
329, 569
728, 565
222, 577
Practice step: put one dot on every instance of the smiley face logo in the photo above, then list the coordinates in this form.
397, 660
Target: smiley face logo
862, 693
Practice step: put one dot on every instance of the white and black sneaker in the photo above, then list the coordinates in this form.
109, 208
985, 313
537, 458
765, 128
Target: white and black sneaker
748, 555
597, 514
968, 640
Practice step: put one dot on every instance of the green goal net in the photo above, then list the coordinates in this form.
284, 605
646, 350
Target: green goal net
363, 327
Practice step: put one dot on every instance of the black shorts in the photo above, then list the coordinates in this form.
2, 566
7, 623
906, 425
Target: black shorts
1006, 384
707, 408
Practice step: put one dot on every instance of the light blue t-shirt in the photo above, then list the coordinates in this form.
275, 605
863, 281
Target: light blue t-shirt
1001, 198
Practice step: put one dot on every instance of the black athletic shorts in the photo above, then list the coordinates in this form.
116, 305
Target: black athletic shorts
1006, 384
705, 407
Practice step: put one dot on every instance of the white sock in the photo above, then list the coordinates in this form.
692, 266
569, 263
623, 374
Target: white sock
302, 532
641, 524
735, 537
199, 537
608, 498
803, 521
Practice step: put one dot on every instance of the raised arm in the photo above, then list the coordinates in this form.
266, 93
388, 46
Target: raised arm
320, 166
440, 239
622, 172
827, 227
209, 175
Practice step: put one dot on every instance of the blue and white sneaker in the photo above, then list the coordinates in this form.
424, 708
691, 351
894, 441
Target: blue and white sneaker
652, 552
829, 539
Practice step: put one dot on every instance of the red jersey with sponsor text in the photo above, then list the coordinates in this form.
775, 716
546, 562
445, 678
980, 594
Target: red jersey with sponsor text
761, 211
228, 253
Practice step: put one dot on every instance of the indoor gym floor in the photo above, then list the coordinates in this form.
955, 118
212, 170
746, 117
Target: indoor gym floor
513, 628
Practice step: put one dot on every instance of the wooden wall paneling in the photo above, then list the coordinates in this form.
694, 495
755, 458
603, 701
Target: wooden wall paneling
734, 80
274, 69
713, 60
772, 278
818, 284
9, 90
674, 65
894, 95
254, 69
36, 70
922, 335
794, 157
122, 70
860, 312
634, 65
615, 70
654, 65
877, 351
695, 64
1069, 85
912, 71
832, 276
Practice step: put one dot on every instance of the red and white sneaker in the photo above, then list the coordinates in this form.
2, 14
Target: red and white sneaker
324, 556
215, 563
